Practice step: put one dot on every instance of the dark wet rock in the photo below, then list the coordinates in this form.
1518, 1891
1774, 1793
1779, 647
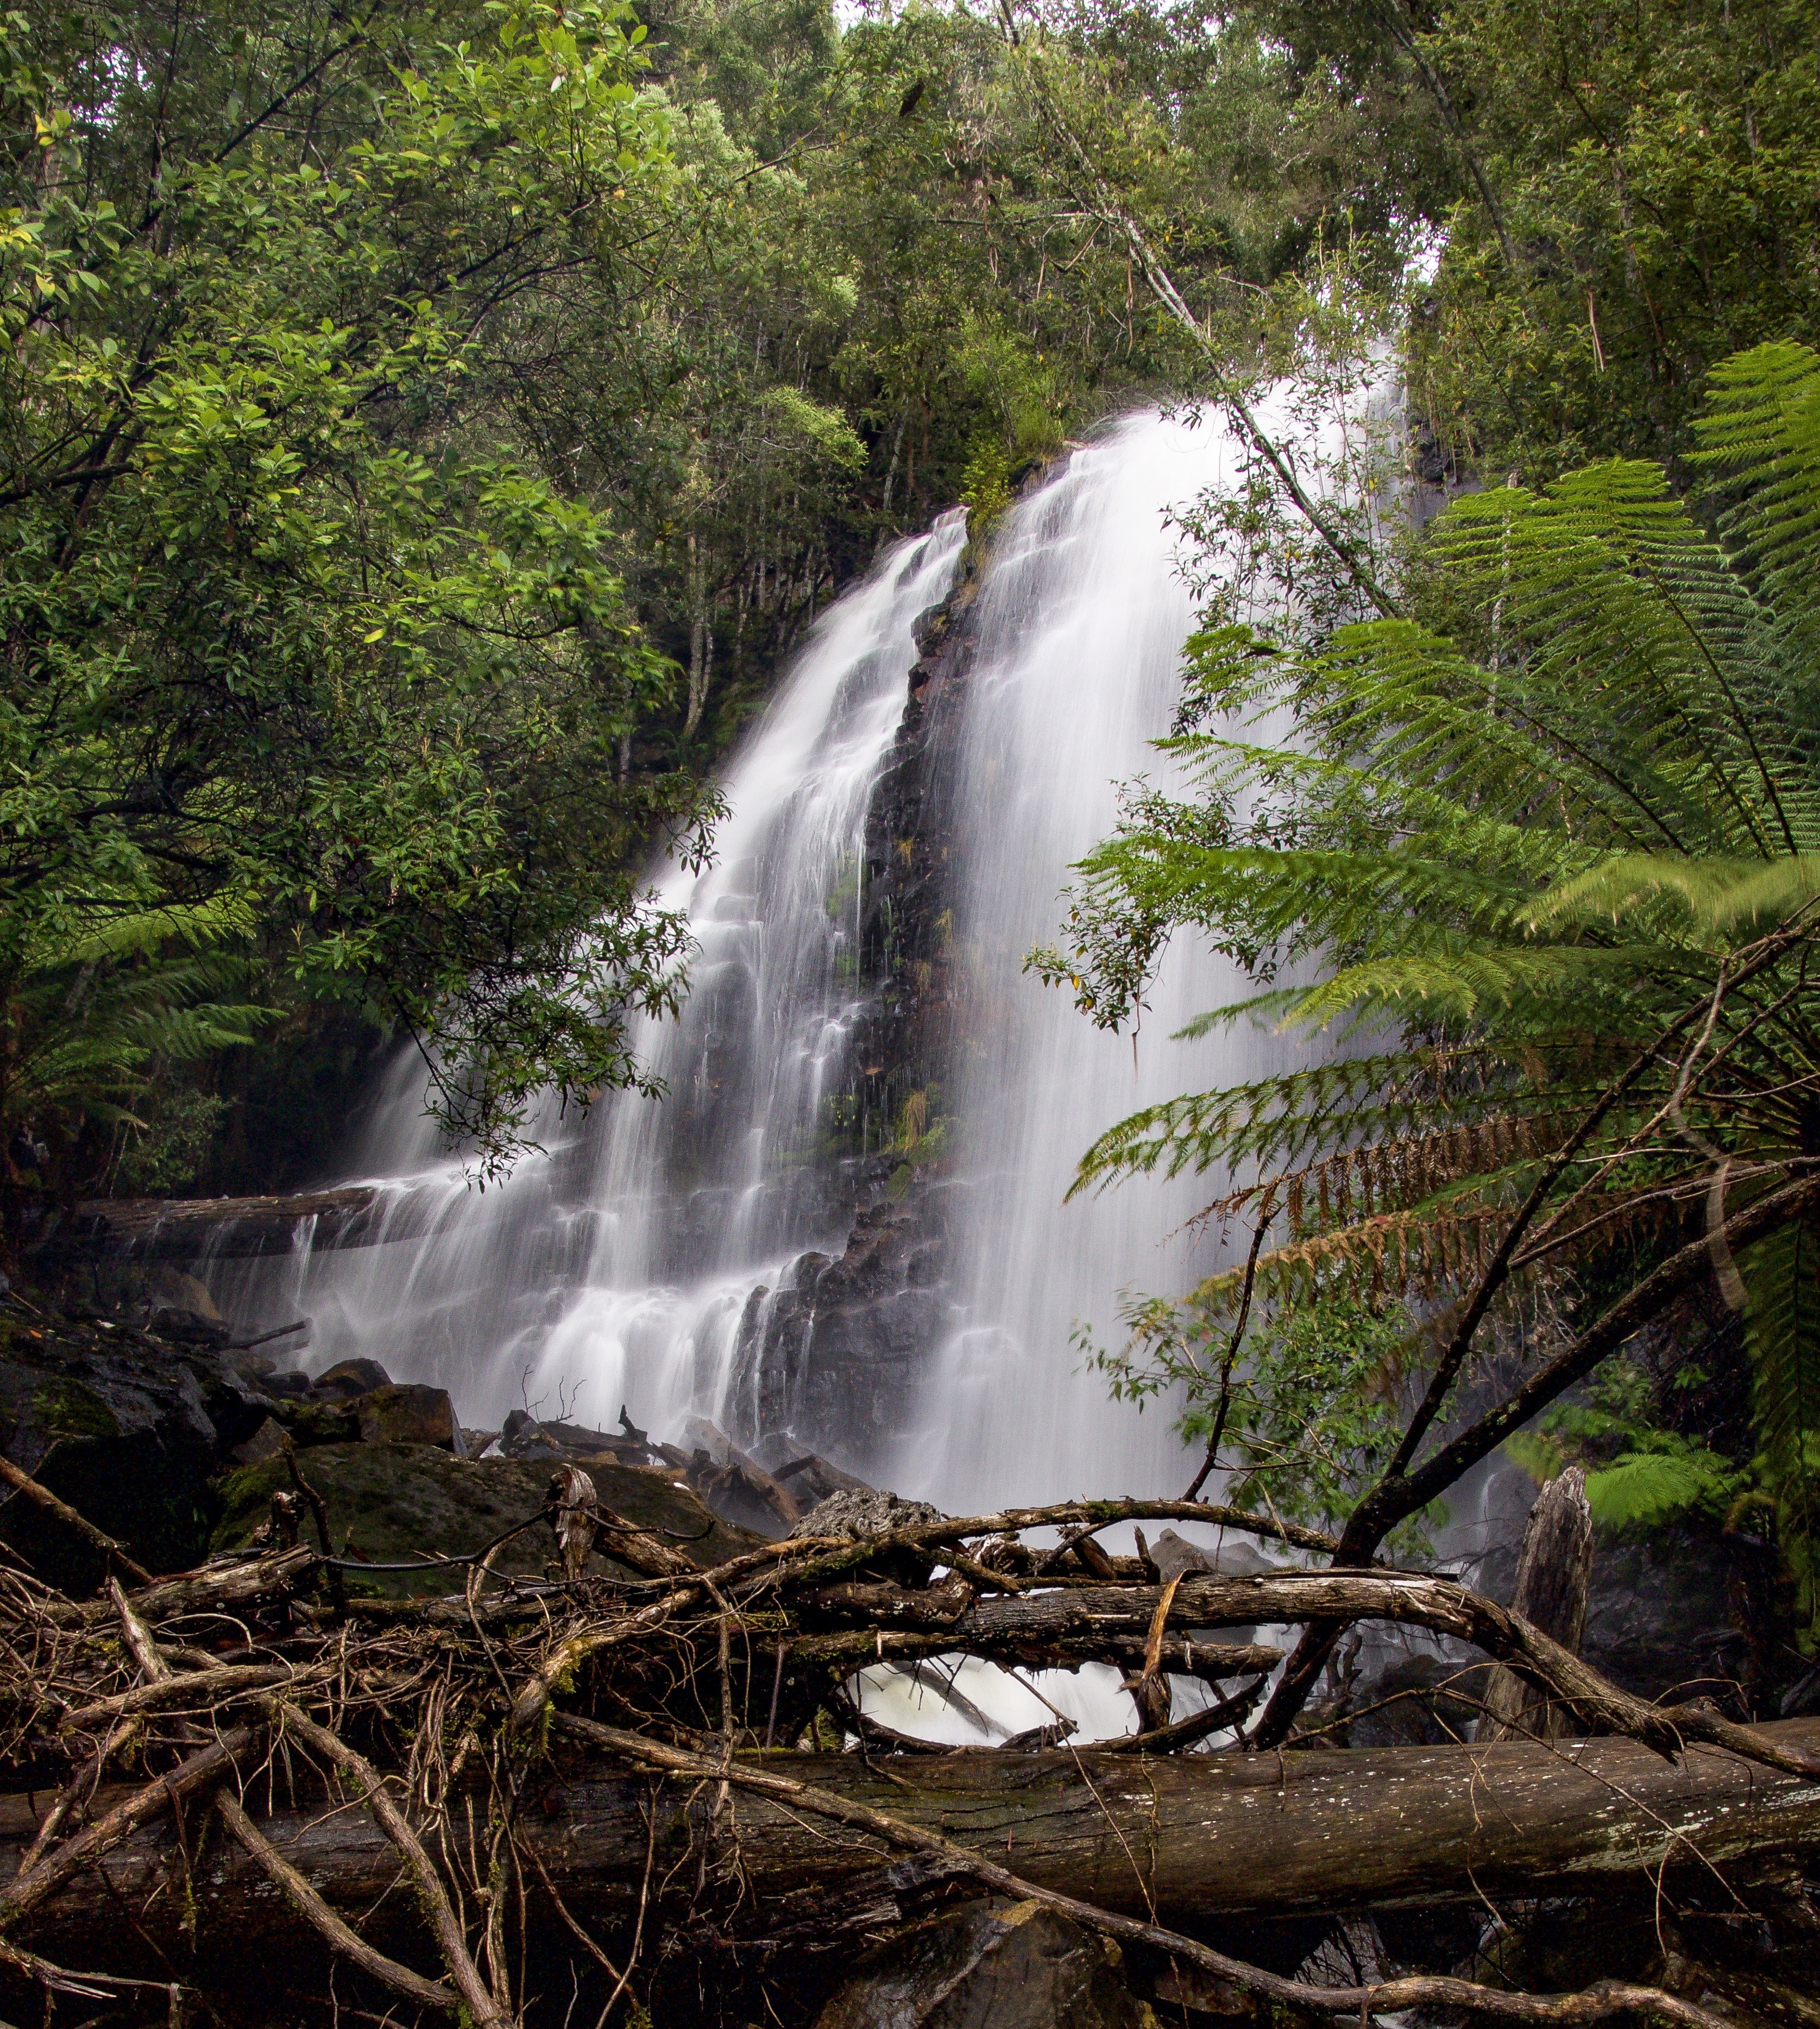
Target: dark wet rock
309, 1421
1175, 1557
127, 1428
401, 1502
857, 1517
350, 1378
840, 1354
405, 1413
1659, 1616
1417, 1702
1018, 1966
874, 1512
1235, 1556
170, 1288
266, 1442
189, 1328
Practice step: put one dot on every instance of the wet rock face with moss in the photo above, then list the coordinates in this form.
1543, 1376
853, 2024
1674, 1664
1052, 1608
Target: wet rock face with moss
129, 1430
396, 1503
837, 1358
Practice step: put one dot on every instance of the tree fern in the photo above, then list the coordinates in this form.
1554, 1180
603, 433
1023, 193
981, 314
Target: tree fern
1548, 853
97, 1021
1782, 1330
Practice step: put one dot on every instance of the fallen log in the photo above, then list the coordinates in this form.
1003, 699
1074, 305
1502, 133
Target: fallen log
181, 1229
211, 1589
1105, 1619
1210, 1836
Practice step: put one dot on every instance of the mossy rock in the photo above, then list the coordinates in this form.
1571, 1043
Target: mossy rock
405, 1501
67, 1409
127, 1430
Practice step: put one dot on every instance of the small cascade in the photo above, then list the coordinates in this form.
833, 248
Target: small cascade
616, 1264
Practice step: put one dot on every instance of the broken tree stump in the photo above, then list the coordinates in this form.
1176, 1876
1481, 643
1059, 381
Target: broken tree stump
1554, 1578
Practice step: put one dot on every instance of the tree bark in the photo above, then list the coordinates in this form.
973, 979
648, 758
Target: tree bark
1210, 1836
181, 1229
1554, 1578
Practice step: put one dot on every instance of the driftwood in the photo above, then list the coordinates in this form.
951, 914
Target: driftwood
422, 1789
213, 1589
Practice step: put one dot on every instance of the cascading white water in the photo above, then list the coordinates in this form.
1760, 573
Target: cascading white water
1077, 666
619, 1260
616, 1261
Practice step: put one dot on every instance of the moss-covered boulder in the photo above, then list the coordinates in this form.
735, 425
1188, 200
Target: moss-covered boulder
398, 1502
128, 1428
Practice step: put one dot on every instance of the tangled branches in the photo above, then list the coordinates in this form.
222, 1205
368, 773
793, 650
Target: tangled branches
451, 1796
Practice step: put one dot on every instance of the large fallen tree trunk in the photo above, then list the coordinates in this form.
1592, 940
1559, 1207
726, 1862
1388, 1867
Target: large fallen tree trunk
408, 1771
1210, 1837
183, 1228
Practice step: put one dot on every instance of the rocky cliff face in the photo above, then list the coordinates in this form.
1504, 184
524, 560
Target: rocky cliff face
837, 1356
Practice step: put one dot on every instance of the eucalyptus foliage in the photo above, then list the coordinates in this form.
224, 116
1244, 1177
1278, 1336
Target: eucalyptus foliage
295, 639
1538, 874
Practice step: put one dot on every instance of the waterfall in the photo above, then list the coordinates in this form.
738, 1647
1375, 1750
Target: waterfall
1076, 670
615, 1263
682, 1255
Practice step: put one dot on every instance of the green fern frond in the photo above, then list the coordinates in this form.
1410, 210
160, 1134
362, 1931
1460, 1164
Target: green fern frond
1782, 1279
1719, 894
1644, 1488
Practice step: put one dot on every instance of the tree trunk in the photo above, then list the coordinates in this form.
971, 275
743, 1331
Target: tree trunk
1554, 1577
1211, 1836
181, 1229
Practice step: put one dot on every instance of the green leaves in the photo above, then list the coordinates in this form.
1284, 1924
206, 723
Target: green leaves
300, 634
1548, 853
1781, 1277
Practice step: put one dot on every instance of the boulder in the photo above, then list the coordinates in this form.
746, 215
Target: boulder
169, 1288
267, 1442
874, 1512
406, 1413
1234, 1556
398, 1502
350, 1378
840, 1350
127, 1428
1018, 1966
183, 1308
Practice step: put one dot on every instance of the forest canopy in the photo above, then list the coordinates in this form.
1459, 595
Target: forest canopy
424, 429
